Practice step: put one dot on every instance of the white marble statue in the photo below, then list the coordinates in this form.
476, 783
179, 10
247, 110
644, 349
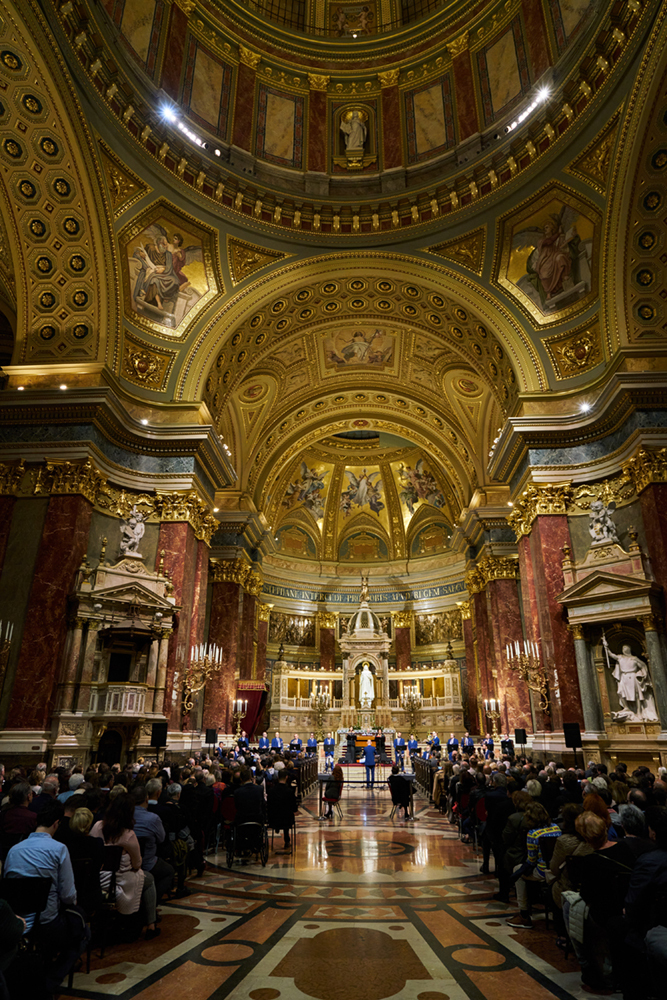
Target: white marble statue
366, 686
354, 129
131, 532
633, 686
601, 526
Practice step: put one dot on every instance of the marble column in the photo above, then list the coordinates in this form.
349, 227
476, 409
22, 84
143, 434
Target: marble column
71, 665
513, 693
591, 703
180, 562
327, 624
247, 637
548, 536
83, 701
317, 125
402, 640
392, 150
151, 675
653, 501
346, 682
160, 705
62, 547
656, 666
262, 639
472, 680
199, 589
6, 511
482, 647
223, 630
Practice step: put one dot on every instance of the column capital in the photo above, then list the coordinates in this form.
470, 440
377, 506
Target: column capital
326, 619
264, 612
651, 622
459, 45
538, 499
646, 467
249, 58
317, 81
402, 619
466, 611
577, 630
389, 78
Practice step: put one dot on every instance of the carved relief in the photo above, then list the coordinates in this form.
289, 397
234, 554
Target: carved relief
439, 627
468, 250
291, 629
575, 352
245, 258
147, 366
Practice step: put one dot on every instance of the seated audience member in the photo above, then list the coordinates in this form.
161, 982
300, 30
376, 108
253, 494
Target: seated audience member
74, 784
133, 884
18, 820
633, 823
83, 847
48, 793
282, 808
568, 845
149, 827
333, 791
249, 799
514, 837
400, 790
62, 934
539, 824
12, 929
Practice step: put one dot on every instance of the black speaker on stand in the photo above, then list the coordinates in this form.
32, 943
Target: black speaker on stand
212, 737
520, 738
572, 734
159, 736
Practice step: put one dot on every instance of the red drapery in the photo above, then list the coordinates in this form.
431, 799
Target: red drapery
255, 692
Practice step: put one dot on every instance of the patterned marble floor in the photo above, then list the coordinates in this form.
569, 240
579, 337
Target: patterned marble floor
366, 908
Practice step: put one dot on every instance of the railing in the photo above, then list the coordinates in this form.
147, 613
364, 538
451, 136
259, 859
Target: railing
306, 775
118, 699
425, 775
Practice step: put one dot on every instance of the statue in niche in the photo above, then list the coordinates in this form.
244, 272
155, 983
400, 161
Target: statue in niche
366, 685
353, 127
131, 532
601, 527
364, 594
633, 686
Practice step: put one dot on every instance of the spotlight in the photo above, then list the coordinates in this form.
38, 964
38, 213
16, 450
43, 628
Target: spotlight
169, 113
63, 386
543, 94
585, 407
20, 388
144, 421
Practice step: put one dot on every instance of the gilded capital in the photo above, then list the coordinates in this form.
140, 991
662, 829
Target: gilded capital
264, 612
249, 58
650, 622
475, 582
466, 611
389, 78
11, 477
187, 507
69, 478
497, 568
458, 46
236, 571
326, 619
576, 630
402, 619
319, 82
647, 467
538, 499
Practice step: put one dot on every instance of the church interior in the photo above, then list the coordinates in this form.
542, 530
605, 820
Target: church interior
331, 341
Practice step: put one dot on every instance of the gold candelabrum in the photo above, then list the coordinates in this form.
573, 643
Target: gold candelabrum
205, 661
411, 702
528, 665
6, 632
492, 712
239, 712
320, 703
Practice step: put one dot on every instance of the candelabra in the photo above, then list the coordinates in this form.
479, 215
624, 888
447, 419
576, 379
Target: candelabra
239, 712
411, 702
320, 702
6, 633
528, 666
492, 712
205, 661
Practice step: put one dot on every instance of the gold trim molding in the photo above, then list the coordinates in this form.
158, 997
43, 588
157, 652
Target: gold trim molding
488, 569
538, 499
236, 571
646, 467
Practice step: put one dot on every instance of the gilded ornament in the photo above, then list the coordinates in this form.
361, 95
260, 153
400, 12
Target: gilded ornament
236, 571
575, 352
459, 45
475, 582
439, 627
538, 499
69, 478
402, 619
389, 78
498, 568
326, 619
244, 258
11, 477
145, 367
647, 467
651, 623
576, 630
187, 507
318, 82
249, 58
264, 612
594, 163
187, 6
466, 611
468, 250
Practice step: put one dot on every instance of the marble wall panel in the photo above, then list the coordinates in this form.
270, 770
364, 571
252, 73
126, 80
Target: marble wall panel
23, 540
391, 128
244, 107
471, 692
317, 131
63, 544
568, 17
247, 637
136, 25
403, 649
262, 637
507, 628
464, 89
224, 631
279, 133
654, 516
207, 85
180, 561
327, 648
174, 52
483, 650
429, 120
503, 71
536, 37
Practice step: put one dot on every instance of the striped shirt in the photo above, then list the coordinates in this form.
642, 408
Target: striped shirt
534, 852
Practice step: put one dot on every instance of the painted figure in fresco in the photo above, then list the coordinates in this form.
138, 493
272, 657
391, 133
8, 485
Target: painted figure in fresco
132, 531
160, 278
307, 490
601, 526
555, 252
366, 686
361, 349
354, 129
418, 484
367, 489
634, 686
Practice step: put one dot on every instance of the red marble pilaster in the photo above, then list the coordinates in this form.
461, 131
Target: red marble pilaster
403, 649
247, 637
200, 584
464, 88
653, 501
327, 649
550, 533
223, 629
482, 640
6, 511
244, 107
262, 638
317, 131
472, 685
507, 628
62, 548
536, 36
180, 561
392, 144
172, 64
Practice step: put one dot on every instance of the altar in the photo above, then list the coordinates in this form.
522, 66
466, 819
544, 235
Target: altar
365, 647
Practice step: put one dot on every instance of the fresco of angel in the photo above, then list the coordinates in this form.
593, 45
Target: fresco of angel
558, 263
418, 484
367, 489
162, 288
307, 491
358, 347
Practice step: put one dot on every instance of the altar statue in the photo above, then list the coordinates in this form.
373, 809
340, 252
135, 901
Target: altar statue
365, 594
366, 686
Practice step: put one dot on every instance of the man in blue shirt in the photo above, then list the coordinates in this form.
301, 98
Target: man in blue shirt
467, 744
399, 750
263, 742
243, 743
276, 742
487, 745
295, 743
413, 747
150, 826
434, 741
75, 782
311, 745
329, 747
452, 746
40, 856
369, 761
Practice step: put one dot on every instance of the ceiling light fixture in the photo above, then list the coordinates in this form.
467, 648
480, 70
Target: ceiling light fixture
63, 386
20, 388
143, 420
585, 407
540, 98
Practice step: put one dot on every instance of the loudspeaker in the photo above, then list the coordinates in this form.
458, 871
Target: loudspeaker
159, 734
572, 735
520, 737
211, 737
